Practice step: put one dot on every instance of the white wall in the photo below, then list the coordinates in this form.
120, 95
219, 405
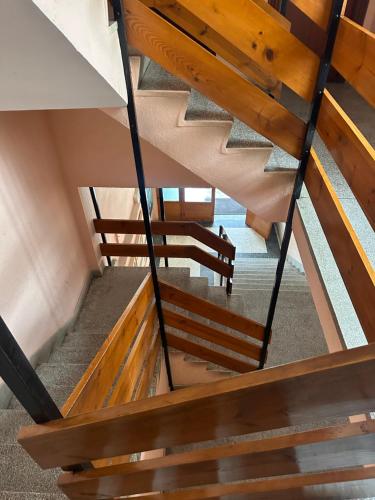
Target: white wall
43, 269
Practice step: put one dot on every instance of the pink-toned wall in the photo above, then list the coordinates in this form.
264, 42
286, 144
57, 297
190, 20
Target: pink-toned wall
43, 268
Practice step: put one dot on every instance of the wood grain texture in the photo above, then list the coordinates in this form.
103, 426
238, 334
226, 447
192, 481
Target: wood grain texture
345, 445
317, 10
334, 385
149, 370
354, 57
205, 332
176, 251
209, 310
95, 384
291, 487
352, 261
186, 59
220, 46
261, 39
209, 355
131, 370
171, 228
351, 151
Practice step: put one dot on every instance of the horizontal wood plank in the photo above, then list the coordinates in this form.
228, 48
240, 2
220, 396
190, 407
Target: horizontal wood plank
352, 261
171, 228
188, 60
351, 151
209, 310
345, 445
354, 57
175, 251
210, 334
317, 10
209, 38
131, 370
334, 385
209, 354
261, 39
95, 384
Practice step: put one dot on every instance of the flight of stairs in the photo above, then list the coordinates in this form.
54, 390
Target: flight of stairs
20, 477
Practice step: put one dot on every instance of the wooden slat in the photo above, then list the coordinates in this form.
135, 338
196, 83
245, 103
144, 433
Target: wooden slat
175, 251
92, 390
209, 354
260, 37
334, 385
292, 487
208, 37
354, 57
175, 228
317, 10
188, 60
345, 445
148, 373
126, 382
351, 151
185, 300
210, 334
352, 261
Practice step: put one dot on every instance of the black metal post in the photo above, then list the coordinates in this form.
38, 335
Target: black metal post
119, 17
325, 64
162, 217
99, 216
283, 7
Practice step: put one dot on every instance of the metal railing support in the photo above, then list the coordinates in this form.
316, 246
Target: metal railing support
162, 217
133, 125
98, 216
283, 7
324, 68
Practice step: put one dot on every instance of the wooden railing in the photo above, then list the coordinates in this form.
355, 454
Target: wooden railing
248, 347
192, 229
334, 385
108, 381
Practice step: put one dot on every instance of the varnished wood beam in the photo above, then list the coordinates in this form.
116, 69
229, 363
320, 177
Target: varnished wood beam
197, 329
186, 59
334, 385
209, 355
351, 151
345, 445
354, 57
209, 310
352, 261
261, 39
317, 10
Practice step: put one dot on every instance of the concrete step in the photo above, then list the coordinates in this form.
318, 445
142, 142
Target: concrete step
19, 473
10, 423
73, 355
66, 374
17, 495
84, 341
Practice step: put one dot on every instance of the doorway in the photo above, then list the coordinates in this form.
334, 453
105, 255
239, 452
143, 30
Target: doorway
195, 204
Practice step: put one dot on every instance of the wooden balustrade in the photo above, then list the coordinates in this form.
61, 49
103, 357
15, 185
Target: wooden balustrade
352, 261
168, 228
334, 385
132, 332
317, 10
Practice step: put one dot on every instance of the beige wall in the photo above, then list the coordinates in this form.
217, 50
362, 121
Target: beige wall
43, 269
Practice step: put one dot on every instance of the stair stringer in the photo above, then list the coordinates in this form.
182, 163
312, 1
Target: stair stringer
201, 147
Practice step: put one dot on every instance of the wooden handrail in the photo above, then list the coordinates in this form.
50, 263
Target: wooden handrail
168, 228
96, 383
350, 444
211, 311
177, 251
351, 151
334, 385
186, 59
352, 261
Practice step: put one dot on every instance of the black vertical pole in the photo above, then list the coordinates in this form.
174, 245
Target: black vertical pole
99, 216
283, 6
325, 64
162, 217
119, 17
